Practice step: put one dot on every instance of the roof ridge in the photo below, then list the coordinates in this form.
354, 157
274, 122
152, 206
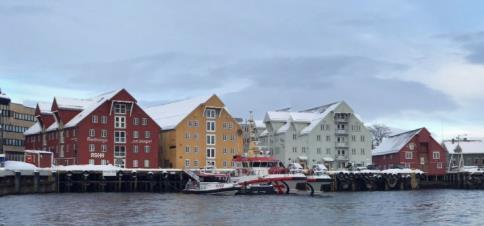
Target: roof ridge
179, 101
406, 132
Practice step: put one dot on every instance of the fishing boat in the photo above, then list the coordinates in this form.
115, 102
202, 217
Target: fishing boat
210, 183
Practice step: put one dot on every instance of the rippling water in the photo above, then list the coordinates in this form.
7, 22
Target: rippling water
424, 207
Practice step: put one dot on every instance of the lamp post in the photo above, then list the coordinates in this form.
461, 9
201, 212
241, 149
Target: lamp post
4, 112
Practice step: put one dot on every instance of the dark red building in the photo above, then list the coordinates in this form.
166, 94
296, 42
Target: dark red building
107, 129
415, 149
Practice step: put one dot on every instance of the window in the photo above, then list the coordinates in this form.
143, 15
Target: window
294, 149
104, 119
147, 149
210, 113
224, 137
187, 163
187, 135
135, 148
147, 163
303, 150
119, 137
144, 121
318, 150
408, 165
187, 149
119, 151
103, 162
147, 134
436, 155
225, 151
135, 163
195, 163
135, 134
135, 121
195, 149
210, 126
232, 150
91, 162
362, 151
353, 151
211, 139
195, 136
318, 137
439, 165
228, 125
294, 136
193, 123
119, 122
104, 147
94, 118
408, 155
92, 147
92, 132
210, 152
104, 133
328, 138
362, 138
74, 132
353, 138
224, 163
119, 108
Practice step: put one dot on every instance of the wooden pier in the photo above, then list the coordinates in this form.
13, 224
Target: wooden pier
174, 180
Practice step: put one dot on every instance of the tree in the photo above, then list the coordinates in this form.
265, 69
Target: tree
379, 131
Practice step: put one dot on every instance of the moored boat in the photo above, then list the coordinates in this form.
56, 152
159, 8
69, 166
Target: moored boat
210, 183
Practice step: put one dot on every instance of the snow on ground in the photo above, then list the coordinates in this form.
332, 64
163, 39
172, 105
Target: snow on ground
398, 171
14, 165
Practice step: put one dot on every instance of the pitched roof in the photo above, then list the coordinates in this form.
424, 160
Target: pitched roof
323, 112
467, 147
168, 116
72, 103
259, 124
45, 107
395, 143
89, 105
34, 129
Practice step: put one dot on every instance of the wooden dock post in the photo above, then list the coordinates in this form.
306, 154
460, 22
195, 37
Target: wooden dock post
36, 181
18, 180
413, 181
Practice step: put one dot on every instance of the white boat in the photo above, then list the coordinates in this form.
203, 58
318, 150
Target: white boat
318, 178
211, 183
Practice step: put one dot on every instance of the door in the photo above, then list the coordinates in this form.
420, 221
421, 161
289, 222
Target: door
423, 161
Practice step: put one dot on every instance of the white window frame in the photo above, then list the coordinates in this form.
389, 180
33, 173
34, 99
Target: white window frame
104, 133
187, 163
92, 147
135, 121
211, 126
135, 163
94, 119
120, 108
210, 113
92, 162
92, 133
435, 155
121, 152
144, 121
135, 148
211, 139
135, 134
104, 147
118, 139
104, 119
187, 149
147, 134
408, 155
195, 163
120, 122
439, 165
147, 149
211, 153
103, 162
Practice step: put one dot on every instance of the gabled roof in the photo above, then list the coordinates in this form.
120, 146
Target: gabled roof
259, 124
45, 107
467, 147
90, 106
277, 116
34, 129
72, 103
323, 112
264, 133
395, 143
168, 116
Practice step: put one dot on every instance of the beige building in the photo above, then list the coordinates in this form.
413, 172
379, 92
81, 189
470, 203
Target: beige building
197, 133
16, 119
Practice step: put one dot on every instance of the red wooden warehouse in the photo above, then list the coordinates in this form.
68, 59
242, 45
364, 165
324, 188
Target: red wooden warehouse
107, 129
414, 149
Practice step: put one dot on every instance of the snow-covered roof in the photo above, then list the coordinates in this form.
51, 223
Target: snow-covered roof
53, 127
467, 147
72, 103
168, 116
395, 143
259, 124
45, 107
302, 116
316, 120
88, 108
284, 128
264, 133
277, 116
34, 129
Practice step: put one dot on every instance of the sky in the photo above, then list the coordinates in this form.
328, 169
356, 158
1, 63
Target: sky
405, 64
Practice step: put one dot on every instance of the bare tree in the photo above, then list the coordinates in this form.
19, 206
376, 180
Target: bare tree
379, 131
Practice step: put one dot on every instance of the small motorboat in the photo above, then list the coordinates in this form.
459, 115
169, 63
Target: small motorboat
211, 183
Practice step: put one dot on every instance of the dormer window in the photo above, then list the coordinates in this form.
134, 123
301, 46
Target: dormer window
210, 113
120, 108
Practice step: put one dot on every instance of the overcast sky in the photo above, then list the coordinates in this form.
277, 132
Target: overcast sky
407, 64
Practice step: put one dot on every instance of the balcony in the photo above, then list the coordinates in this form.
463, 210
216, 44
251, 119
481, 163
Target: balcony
341, 157
341, 144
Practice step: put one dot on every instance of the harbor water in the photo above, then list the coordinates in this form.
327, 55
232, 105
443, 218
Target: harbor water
423, 207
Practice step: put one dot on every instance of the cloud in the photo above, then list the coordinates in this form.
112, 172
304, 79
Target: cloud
473, 43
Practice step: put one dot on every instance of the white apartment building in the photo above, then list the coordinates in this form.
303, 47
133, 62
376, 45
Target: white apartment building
331, 134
